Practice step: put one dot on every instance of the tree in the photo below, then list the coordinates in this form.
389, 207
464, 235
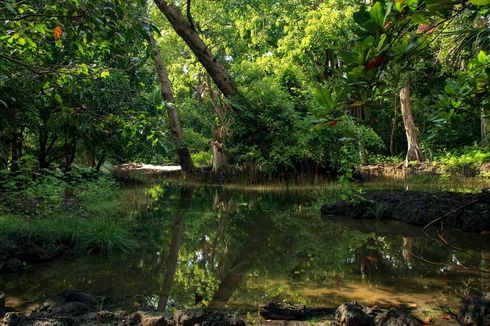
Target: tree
413, 151
188, 33
185, 159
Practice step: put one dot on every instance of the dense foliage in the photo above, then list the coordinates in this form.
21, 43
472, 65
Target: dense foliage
317, 81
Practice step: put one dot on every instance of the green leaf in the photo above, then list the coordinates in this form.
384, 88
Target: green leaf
480, 2
104, 74
377, 14
362, 16
381, 42
420, 18
399, 4
324, 98
412, 4
58, 99
483, 57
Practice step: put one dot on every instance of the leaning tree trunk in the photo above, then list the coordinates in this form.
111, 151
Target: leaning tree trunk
185, 159
186, 31
413, 151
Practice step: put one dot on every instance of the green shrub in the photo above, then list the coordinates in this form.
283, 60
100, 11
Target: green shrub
105, 236
202, 158
467, 157
101, 235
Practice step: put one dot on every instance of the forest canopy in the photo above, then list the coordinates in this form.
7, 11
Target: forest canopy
276, 87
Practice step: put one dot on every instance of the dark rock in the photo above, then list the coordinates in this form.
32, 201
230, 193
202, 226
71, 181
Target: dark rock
283, 311
12, 265
396, 317
33, 253
74, 295
191, 317
335, 209
13, 319
75, 308
2, 304
353, 314
475, 310
419, 208
319, 312
147, 319
104, 317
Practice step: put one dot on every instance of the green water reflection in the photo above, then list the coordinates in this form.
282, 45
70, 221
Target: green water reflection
237, 249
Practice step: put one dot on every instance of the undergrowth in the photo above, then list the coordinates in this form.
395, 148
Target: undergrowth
87, 215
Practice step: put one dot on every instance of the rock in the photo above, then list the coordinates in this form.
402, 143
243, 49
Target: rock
335, 209
74, 295
396, 317
191, 317
475, 310
13, 319
33, 253
146, 319
419, 208
2, 304
75, 308
353, 314
283, 311
12, 265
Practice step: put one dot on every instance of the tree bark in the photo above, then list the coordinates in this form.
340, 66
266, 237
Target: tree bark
485, 129
16, 147
185, 159
393, 147
413, 151
43, 144
220, 130
190, 36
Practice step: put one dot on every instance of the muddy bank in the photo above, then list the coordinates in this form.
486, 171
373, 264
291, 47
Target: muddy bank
427, 169
469, 212
15, 257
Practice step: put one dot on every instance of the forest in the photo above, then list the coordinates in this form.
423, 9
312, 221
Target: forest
226, 154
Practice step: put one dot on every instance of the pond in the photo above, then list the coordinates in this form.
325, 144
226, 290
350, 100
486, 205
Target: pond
238, 248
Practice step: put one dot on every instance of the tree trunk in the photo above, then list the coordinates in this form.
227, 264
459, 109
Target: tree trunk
413, 151
220, 130
393, 147
16, 148
185, 159
171, 262
184, 29
43, 148
220, 164
485, 131
226, 288
101, 161
185, 198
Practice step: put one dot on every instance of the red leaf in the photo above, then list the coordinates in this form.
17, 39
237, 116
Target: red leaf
57, 32
376, 62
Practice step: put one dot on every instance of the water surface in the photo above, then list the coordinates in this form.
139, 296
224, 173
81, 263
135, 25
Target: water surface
237, 249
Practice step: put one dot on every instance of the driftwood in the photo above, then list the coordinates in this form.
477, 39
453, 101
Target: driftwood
291, 311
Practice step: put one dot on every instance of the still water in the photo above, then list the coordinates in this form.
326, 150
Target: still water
237, 249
